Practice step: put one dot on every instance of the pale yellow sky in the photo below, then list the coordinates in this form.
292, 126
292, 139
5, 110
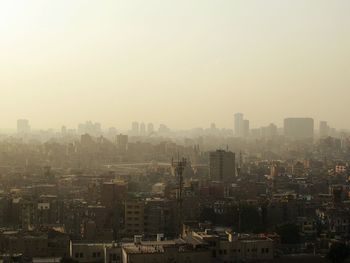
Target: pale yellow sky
185, 63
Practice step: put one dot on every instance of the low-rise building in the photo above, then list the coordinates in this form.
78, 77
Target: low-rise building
96, 252
176, 251
226, 246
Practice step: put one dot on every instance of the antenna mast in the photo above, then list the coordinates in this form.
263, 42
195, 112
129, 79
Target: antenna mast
179, 169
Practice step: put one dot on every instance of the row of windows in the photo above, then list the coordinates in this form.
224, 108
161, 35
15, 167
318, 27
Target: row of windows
135, 231
263, 251
130, 225
94, 255
114, 256
133, 218
130, 207
135, 212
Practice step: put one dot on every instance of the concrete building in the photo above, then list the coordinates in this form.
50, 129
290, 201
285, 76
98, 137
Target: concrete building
150, 216
150, 128
90, 128
23, 126
299, 128
239, 124
226, 246
142, 129
122, 143
35, 243
246, 128
96, 252
324, 129
135, 129
176, 251
269, 131
134, 217
113, 193
222, 166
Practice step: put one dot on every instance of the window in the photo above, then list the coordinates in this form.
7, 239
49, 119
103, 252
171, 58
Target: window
98, 254
81, 255
212, 243
94, 254
76, 255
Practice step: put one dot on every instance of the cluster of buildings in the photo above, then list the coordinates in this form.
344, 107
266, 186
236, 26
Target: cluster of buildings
132, 199
293, 128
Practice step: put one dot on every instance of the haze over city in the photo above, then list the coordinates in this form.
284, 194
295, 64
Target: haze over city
186, 131
183, 63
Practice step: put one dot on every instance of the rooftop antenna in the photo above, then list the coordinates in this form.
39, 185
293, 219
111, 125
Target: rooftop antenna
179, 169
240, 159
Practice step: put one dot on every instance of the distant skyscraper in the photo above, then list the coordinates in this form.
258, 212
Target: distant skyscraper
163, 128
245, 128
272, 130
142, 129
86, 141
23, 126
269, 131
239, 124
90, 128
324, 129
122, 142
135, 128
112, 132
150, 128
222, 166
299, 128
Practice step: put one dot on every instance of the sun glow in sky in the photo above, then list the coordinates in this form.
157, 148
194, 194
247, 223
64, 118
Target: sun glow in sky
64, 62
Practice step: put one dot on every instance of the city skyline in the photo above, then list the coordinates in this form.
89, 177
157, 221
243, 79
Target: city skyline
162, 131
186, 64
156, 125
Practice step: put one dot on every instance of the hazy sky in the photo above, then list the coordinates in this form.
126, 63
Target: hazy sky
185, 63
